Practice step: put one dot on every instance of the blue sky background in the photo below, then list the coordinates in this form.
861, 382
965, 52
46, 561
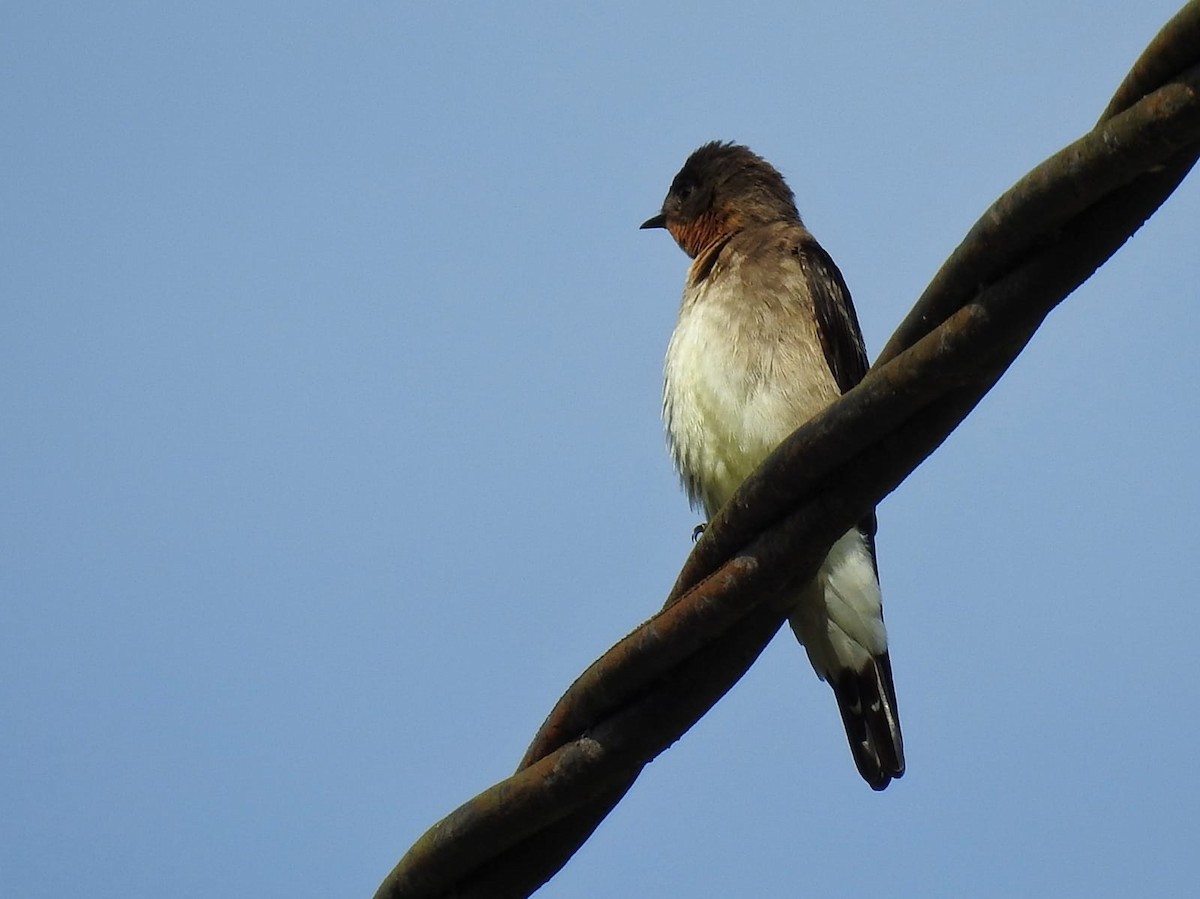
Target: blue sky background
330, 364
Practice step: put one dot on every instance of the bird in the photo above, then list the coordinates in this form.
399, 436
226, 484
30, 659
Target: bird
767, 337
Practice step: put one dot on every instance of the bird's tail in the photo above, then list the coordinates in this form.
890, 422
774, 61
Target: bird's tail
867, 700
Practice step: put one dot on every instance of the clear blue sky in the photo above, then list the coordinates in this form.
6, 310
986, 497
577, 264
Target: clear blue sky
330, 365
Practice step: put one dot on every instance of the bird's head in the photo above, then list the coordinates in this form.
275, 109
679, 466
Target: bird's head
722, 188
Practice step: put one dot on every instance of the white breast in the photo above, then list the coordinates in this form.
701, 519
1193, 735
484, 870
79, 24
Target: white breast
740, 377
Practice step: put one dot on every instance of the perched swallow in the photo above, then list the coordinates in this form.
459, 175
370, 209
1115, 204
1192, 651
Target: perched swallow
767, 337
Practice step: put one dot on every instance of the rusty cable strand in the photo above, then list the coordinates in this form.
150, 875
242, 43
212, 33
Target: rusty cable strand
1042, 239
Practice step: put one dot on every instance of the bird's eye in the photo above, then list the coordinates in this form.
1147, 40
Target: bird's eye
682, 187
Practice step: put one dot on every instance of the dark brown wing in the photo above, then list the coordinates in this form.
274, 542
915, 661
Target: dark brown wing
837, 323
841, 337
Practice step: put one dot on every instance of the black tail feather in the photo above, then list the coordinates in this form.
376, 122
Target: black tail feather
867, 701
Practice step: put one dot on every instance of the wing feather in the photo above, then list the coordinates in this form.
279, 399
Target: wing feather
837, 323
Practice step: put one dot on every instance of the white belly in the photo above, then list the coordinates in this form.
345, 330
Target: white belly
735, 388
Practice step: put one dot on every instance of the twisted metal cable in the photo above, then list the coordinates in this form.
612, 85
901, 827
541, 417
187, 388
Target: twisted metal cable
1031, 249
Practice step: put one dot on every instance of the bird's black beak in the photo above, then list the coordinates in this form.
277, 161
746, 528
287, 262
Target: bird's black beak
659, 221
